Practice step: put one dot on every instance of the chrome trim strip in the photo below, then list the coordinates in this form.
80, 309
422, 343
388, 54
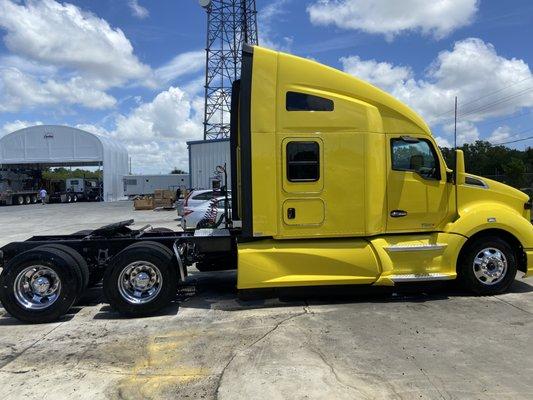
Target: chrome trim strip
420, 277
416, 247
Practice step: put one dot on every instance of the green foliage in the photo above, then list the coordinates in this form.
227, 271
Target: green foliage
177, 171
514, 167
64, 173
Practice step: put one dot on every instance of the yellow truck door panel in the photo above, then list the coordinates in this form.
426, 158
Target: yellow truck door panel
305, 211
417, 192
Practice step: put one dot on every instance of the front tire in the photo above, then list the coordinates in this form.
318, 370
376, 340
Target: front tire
487, 266
141, 279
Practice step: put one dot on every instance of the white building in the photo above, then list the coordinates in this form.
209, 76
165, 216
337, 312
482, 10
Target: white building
204, 157
62, 146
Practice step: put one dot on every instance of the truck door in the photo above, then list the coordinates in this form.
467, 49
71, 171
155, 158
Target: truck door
417, 192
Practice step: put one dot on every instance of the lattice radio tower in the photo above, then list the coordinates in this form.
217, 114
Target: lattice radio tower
230, 24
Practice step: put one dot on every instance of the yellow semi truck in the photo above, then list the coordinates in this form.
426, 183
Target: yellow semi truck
334, 182
340, 183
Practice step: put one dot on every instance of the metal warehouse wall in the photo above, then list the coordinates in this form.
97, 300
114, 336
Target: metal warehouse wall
204, 156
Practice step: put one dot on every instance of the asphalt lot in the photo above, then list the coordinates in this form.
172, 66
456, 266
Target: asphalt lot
432, 342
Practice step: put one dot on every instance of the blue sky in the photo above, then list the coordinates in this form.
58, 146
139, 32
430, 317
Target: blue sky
133, 69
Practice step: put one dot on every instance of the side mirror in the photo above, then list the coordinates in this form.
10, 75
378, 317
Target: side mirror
459, 167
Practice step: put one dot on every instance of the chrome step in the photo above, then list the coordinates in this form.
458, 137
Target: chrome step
420, 277
416, 247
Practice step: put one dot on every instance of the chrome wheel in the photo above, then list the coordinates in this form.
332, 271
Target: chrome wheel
140, 282
37, 287
490, 266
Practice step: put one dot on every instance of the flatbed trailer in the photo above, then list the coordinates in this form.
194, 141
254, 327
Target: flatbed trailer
334, 182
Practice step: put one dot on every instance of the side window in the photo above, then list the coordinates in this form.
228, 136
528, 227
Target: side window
417, 155
303, 163
307, 102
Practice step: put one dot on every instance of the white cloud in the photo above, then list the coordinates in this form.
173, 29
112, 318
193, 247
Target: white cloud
502, 134
156, 132
390, 18
183, 64
13, 126
63, 35
268, 36
21, 90
442, 142
467, 132
382, 74
472, 70
137, 10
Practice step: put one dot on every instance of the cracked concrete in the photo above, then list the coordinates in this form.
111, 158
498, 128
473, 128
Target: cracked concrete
433, 342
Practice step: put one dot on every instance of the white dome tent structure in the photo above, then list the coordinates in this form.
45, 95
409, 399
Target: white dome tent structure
43, 146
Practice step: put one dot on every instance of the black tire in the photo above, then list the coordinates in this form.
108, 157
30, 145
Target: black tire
69, 198
60, 263
34, 199
470, 263
80, 261
27, 200
75, 198
18, 200
158, 256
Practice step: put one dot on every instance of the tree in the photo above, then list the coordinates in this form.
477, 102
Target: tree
177, 171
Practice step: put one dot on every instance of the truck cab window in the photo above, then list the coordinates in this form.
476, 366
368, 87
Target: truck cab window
417, 156
303, 163
307, 102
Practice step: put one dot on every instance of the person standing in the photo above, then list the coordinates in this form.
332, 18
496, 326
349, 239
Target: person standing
42, 195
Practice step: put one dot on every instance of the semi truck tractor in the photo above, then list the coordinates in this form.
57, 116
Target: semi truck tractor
334, 182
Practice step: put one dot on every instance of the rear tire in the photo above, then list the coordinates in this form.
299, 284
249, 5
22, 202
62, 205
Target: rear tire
39, 285
141, 279
487, 266
34, 199
18, 200
80, 261
27, 200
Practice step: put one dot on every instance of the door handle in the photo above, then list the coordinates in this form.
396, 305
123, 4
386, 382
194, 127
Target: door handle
291, 213
398, 213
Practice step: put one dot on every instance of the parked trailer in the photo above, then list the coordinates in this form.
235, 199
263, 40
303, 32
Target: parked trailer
334, 183
18, 187
138, 185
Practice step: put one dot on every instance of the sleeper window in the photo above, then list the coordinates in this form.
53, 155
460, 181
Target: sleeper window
303, 161
307, 102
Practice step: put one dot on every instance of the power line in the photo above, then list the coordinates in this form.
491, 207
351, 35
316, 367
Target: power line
513, 141
497, 102
493, 122
489, 94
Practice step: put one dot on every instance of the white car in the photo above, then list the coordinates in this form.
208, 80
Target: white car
210, 212
195, 198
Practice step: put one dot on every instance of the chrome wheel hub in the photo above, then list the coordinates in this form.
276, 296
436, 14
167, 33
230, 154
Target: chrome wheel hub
140, 282
37, 287
490, 266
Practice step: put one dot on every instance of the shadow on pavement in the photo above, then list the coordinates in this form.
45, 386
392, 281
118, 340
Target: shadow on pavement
217, 290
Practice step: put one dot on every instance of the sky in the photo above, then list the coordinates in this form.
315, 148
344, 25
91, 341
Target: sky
133, 69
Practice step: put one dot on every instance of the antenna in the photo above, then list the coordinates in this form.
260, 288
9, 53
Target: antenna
230, 24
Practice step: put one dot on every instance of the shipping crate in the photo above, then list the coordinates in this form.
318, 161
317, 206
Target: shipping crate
146, 203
